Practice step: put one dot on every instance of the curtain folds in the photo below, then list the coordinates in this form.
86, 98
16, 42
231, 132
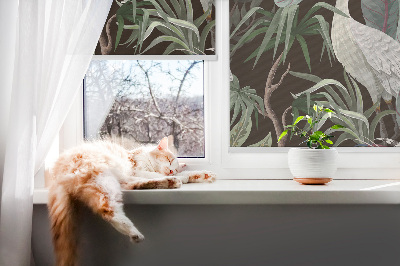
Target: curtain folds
55, 42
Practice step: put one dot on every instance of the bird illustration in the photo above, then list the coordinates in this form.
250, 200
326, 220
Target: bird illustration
370, 56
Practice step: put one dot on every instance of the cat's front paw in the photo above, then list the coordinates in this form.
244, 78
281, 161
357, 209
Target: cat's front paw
181, 167
137, 237
174, 182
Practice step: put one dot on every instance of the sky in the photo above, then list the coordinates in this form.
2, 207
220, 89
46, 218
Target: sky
194, 86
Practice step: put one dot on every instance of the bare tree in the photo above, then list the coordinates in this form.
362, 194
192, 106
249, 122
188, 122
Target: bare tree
143, 112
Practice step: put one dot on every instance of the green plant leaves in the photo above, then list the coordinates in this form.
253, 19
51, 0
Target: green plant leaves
337, 126
245, 102
350, 117
172, 18
318, 138
291, 13
280, 29
202, 18
244, 19
397, 109
298, 119
359, 116
206, 31
244, 99
326, 82
304, 48
185, 24
167, 39
284, 133
265, 142
268, 34
381, 15
156, 24
320, 5
376, 120
241, 131
120, 21
284, 27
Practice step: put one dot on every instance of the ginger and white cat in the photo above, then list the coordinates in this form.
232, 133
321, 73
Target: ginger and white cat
94, 174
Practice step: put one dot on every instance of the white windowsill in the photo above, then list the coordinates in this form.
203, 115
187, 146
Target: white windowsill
264, 192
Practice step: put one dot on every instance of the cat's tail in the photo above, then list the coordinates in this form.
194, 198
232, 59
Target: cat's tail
62, 212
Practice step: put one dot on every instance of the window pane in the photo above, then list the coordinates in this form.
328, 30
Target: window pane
143, 101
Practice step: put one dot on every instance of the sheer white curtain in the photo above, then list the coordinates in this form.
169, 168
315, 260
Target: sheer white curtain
102, 94
8, 16
55, 41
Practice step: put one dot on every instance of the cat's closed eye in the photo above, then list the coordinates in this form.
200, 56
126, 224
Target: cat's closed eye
163, 157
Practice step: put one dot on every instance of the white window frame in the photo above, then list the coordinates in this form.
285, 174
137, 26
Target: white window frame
243, 163
71, 133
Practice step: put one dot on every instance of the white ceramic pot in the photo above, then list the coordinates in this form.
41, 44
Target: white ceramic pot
312, 166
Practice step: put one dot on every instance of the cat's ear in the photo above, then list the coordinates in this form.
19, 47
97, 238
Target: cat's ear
163, 145
171, 146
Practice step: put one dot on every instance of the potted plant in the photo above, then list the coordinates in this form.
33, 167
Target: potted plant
316, 163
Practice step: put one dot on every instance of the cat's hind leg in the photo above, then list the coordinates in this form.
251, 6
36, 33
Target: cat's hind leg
164, 182
103, 195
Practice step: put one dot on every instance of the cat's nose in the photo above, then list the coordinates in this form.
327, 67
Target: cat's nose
171, 172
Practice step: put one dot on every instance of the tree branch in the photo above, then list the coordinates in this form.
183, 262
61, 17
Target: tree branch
146, 73
269, 88
162, 117
284, 116
181, 83
233, 9
274, 87
105, 39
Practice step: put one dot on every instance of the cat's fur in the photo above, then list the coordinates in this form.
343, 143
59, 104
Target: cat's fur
94, 174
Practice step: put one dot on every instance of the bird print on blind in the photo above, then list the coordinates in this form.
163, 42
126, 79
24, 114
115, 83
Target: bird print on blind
369, 55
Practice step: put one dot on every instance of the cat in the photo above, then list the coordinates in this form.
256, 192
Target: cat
94, 173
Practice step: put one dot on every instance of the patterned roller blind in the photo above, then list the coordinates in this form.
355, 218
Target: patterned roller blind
292, 59
159, 27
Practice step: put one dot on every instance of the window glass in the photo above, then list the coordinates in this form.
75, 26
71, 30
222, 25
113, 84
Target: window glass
141, 101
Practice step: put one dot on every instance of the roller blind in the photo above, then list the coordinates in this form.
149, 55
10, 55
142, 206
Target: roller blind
159, 27
291, 56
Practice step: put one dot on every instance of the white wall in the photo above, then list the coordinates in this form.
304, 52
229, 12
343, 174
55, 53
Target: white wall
191, 235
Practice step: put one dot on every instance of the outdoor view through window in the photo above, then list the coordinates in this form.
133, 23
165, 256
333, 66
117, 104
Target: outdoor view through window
141, 101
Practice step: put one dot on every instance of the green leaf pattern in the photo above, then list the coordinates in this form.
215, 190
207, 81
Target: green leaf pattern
277, 31
174, 20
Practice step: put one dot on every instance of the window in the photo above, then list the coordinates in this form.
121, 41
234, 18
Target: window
142, 101
227, 162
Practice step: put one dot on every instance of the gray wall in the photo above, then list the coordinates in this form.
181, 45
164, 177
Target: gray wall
237, 235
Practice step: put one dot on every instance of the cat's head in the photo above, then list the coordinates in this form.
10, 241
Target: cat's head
164, 161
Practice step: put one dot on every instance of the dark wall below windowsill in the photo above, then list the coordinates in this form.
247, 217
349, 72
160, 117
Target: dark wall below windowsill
276, 235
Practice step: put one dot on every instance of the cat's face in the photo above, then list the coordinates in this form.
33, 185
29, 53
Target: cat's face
165, 162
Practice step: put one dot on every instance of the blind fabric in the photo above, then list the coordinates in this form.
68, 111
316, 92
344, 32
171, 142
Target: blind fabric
159, 27
292, 59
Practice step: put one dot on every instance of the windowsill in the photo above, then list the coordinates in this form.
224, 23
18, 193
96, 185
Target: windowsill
264, 192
